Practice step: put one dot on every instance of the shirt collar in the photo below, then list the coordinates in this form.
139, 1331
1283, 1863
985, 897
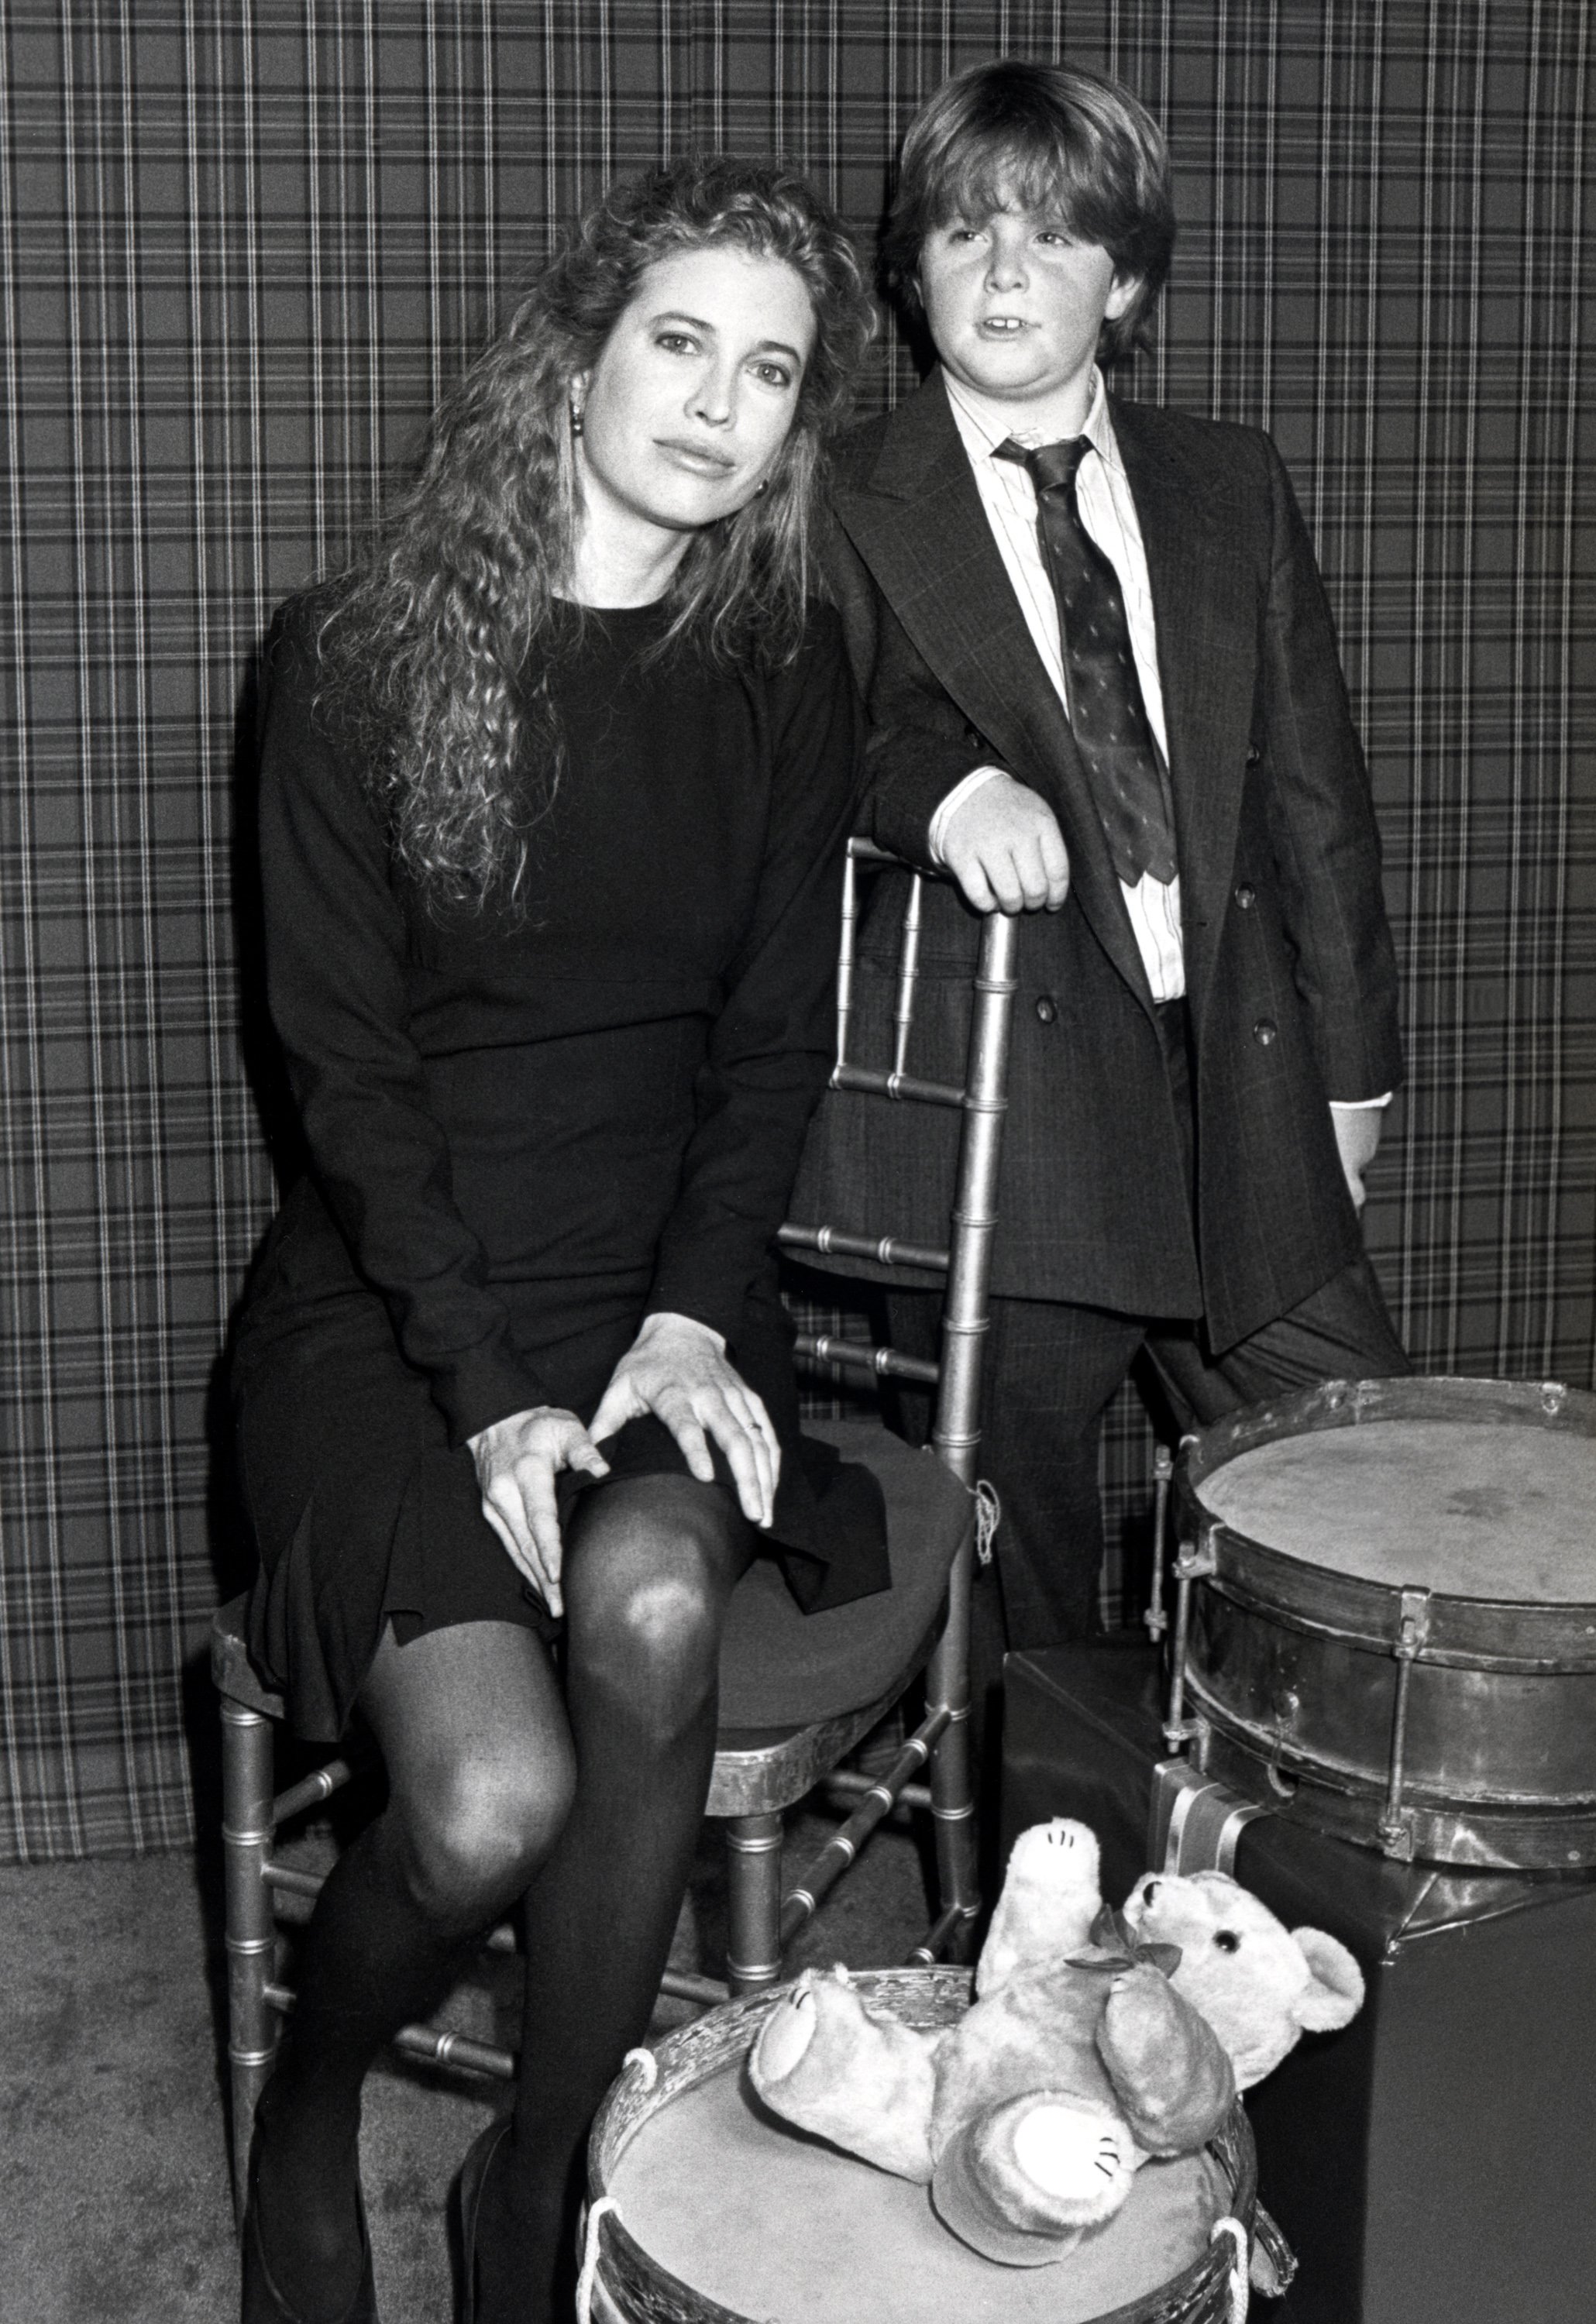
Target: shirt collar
982, 427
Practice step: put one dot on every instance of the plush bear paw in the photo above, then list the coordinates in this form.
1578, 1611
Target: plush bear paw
1022, 2181
1165, 2061
1049, 1901
827, 2063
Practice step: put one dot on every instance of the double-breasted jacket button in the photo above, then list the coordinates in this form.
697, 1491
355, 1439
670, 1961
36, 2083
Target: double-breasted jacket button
1245, 897
1265, 1031
1046, 1009
1253, 754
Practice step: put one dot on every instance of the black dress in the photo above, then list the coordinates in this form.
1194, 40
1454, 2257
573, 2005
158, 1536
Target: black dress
526, 1132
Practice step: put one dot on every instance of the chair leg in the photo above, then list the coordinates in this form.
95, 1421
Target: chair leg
251, 1938
953, 1790
753, 1881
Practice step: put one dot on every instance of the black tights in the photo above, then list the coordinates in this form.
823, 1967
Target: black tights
588, 1804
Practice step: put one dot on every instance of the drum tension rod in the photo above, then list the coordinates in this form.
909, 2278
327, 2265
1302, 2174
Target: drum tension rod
1154, 1619
1195, 1563
1396, 1826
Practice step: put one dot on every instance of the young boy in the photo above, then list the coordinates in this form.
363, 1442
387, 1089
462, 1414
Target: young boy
1104, 693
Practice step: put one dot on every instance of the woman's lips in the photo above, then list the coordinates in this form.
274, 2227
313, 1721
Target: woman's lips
696, 458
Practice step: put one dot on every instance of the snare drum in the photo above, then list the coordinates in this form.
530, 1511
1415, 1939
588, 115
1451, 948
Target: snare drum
1386, 1619
703, 2207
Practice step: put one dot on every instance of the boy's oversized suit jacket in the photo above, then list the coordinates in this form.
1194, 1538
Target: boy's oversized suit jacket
1290, 972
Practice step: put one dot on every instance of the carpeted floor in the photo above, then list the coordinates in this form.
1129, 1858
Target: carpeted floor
115, 2205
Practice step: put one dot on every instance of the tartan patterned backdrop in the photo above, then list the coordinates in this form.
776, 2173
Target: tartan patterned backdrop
242, 245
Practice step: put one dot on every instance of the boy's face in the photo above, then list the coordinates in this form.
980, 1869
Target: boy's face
1015, 304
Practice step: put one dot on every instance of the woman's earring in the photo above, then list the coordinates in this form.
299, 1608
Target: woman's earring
763, 486
575, 420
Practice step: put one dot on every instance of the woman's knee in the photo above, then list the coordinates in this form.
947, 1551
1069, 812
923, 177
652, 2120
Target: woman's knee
649, 1635
477, 1827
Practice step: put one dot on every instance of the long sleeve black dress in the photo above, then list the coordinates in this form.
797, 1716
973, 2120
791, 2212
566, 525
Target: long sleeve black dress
529, 1131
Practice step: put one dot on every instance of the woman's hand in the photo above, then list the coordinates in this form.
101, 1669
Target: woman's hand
517, 1462
677, 1369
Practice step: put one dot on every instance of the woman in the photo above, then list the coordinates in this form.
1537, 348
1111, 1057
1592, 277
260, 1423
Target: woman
553, 793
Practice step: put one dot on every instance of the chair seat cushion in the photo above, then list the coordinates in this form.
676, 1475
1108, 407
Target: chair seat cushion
779, 1667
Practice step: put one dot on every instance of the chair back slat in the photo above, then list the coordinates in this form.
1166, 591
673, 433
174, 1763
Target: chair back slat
981, 1099
908, 970
897, 1084
887, 1251
857, 1355
845, 959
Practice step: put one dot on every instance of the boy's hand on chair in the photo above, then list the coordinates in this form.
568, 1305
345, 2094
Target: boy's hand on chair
1004, 848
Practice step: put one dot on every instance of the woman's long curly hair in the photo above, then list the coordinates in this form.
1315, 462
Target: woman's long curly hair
428, 650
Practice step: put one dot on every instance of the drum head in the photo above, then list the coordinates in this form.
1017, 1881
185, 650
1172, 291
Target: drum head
772, 2224
1472, 1509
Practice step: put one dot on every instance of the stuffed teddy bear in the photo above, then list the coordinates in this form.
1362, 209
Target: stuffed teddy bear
1096, 2040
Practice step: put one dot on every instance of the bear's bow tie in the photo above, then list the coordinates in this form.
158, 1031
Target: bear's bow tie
1115, 1945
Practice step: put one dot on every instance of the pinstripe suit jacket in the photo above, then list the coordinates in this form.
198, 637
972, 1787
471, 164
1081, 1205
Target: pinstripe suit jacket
1290, 972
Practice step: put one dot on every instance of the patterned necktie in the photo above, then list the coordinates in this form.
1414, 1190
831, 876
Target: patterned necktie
1106, 709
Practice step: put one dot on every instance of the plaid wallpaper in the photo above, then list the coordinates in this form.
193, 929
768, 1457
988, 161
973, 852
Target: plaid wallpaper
242, 245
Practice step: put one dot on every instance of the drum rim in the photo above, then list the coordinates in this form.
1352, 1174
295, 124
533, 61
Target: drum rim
688, 2056
1466, 1630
